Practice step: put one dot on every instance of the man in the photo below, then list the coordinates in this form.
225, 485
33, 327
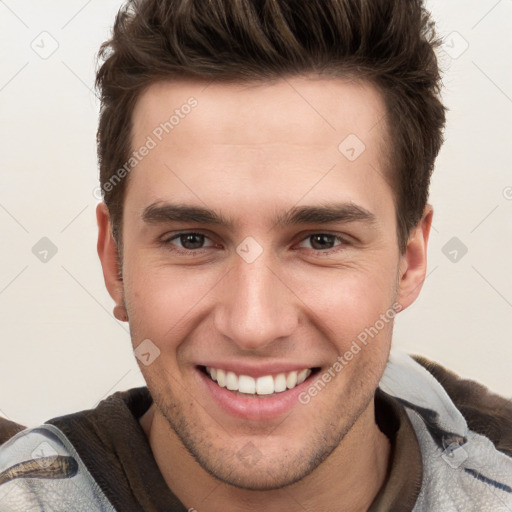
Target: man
265, 169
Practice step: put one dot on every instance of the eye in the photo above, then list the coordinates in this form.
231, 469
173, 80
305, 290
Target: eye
188, 241
194, 242
323, 241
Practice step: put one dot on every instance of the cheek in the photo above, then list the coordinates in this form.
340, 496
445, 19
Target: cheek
166, 304
348, 300
355, 314
162, 299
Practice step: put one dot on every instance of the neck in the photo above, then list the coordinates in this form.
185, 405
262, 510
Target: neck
350, 477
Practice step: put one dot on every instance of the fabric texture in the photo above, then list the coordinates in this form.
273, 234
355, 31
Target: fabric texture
111, 443
41, 471
100, 460
8, 429
462, 469
402, 486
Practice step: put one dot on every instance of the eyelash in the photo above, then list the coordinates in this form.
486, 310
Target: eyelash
166, 242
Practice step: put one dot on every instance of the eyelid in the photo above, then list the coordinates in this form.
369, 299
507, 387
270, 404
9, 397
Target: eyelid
168, 238
341, 238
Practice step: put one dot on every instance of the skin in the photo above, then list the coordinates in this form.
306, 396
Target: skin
250, 152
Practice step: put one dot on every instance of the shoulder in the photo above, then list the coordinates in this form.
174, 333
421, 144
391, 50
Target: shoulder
38, 468
466, 463
8, 429
76, 462
486, 413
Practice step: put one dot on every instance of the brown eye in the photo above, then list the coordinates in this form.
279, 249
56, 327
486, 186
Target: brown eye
322, 241
189, 241
192, 240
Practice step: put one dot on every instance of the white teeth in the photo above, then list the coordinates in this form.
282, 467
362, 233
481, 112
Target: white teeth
302, 375
291, 380
231, 381
246, 384
221, 378
266, 385
280, 383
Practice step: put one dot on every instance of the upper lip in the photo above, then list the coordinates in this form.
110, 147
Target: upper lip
260, 370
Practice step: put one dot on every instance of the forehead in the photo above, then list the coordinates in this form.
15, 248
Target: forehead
260, 139
310, 103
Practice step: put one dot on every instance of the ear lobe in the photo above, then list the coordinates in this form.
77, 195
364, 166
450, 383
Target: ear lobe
413, 265
107, 252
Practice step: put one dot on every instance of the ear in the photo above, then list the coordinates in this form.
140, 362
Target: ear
413, 264
107, 251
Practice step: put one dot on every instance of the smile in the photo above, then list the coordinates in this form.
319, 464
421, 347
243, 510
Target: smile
264, 385
259, 396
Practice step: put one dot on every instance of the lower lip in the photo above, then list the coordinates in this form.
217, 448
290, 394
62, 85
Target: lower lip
254, 408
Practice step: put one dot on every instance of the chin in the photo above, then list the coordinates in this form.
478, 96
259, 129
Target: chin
261, 474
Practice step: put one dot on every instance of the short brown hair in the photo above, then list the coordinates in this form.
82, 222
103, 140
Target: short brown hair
389, 43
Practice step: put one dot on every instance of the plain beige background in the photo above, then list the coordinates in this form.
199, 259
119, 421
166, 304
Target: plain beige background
62, 350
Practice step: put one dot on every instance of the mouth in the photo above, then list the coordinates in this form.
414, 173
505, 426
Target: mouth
265, 386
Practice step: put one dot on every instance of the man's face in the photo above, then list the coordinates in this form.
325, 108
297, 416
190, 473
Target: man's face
258, 297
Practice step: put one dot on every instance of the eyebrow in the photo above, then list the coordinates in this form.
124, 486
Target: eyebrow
159, 213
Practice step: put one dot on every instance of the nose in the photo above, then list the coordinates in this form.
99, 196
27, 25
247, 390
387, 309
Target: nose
255, 306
